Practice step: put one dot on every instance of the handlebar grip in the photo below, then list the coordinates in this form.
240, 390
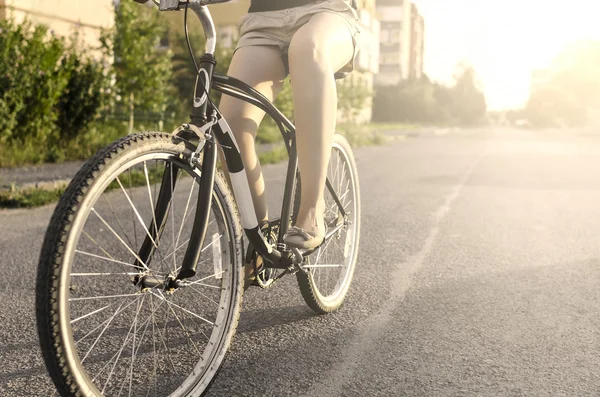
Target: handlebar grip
169, 5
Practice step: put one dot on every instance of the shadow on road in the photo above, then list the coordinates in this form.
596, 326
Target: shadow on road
261, 319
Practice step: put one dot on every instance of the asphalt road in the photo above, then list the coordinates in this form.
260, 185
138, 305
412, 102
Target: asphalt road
478, 276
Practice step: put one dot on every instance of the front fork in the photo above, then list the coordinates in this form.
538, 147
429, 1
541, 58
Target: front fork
192, 254
163, 204
208, 145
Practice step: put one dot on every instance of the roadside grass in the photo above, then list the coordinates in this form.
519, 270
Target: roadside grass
274, 156
32, 151
268, 133
357, 135
381, 127
29, 198
361, 135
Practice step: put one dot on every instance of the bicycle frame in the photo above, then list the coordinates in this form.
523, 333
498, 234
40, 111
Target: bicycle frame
207, 118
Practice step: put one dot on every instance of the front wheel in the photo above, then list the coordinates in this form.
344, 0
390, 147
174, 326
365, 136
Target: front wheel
330, 269
112, 319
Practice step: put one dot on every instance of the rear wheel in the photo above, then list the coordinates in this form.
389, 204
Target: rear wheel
329, 270
114, 324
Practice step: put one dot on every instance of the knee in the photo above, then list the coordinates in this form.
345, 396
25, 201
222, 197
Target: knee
309, 52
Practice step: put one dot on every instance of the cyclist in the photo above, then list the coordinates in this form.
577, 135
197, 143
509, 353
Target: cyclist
311, 41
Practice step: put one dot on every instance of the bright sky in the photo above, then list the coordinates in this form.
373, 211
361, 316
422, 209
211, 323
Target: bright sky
503, 40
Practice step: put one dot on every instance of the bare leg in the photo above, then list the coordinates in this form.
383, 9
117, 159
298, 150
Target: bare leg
260, 67
318, 50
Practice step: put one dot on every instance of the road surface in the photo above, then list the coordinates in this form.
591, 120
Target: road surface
478, 275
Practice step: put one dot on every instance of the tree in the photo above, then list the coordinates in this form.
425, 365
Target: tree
142, 69
468, 99
353, 95
571, 94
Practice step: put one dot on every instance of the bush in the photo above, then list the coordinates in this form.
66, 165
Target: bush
49, 93
424, 101
569, 93
31, 84
142, 67
82, 97
353, 95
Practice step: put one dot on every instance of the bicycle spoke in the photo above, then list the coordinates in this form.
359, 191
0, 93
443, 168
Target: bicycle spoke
152, 208
162, 335
103, 274
122, 347
117, 218
205, 278
179, 307
200, 328
200, 292
172, 208
103, 297
134, 352
185, 331
177, 249
154, 359
139, 217
320, 266
108, 259
120, 239
99, 372
185, 242
91, 313
119, 310
187, 204
141, 220
103, 330
132, 219
205, 285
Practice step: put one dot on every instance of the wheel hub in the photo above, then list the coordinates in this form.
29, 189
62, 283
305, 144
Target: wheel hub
151, 281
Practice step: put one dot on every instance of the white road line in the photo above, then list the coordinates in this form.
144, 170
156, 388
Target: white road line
372, 329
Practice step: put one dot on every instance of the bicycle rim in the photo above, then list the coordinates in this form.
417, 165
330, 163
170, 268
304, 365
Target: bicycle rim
330, 269
119, 339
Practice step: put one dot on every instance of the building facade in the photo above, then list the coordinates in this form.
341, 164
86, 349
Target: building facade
417, 44
63, 17
402, 41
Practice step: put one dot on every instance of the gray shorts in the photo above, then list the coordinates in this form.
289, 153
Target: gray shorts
278, 27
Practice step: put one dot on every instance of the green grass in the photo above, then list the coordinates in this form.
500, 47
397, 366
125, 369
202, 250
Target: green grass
29, 198
357, 135
36, 197
361, 135
32, 151
135, 178
274, 156
380, 127
268, 133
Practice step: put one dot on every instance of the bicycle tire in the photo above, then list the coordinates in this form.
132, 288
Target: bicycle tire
309, 281
55, 331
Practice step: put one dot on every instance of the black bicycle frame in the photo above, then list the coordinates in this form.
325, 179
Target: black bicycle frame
206, 114
221, 134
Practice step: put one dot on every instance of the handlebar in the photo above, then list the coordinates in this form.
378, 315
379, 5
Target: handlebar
175, 5
201, 11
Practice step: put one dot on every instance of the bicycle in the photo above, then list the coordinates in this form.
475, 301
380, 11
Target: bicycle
121, 306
